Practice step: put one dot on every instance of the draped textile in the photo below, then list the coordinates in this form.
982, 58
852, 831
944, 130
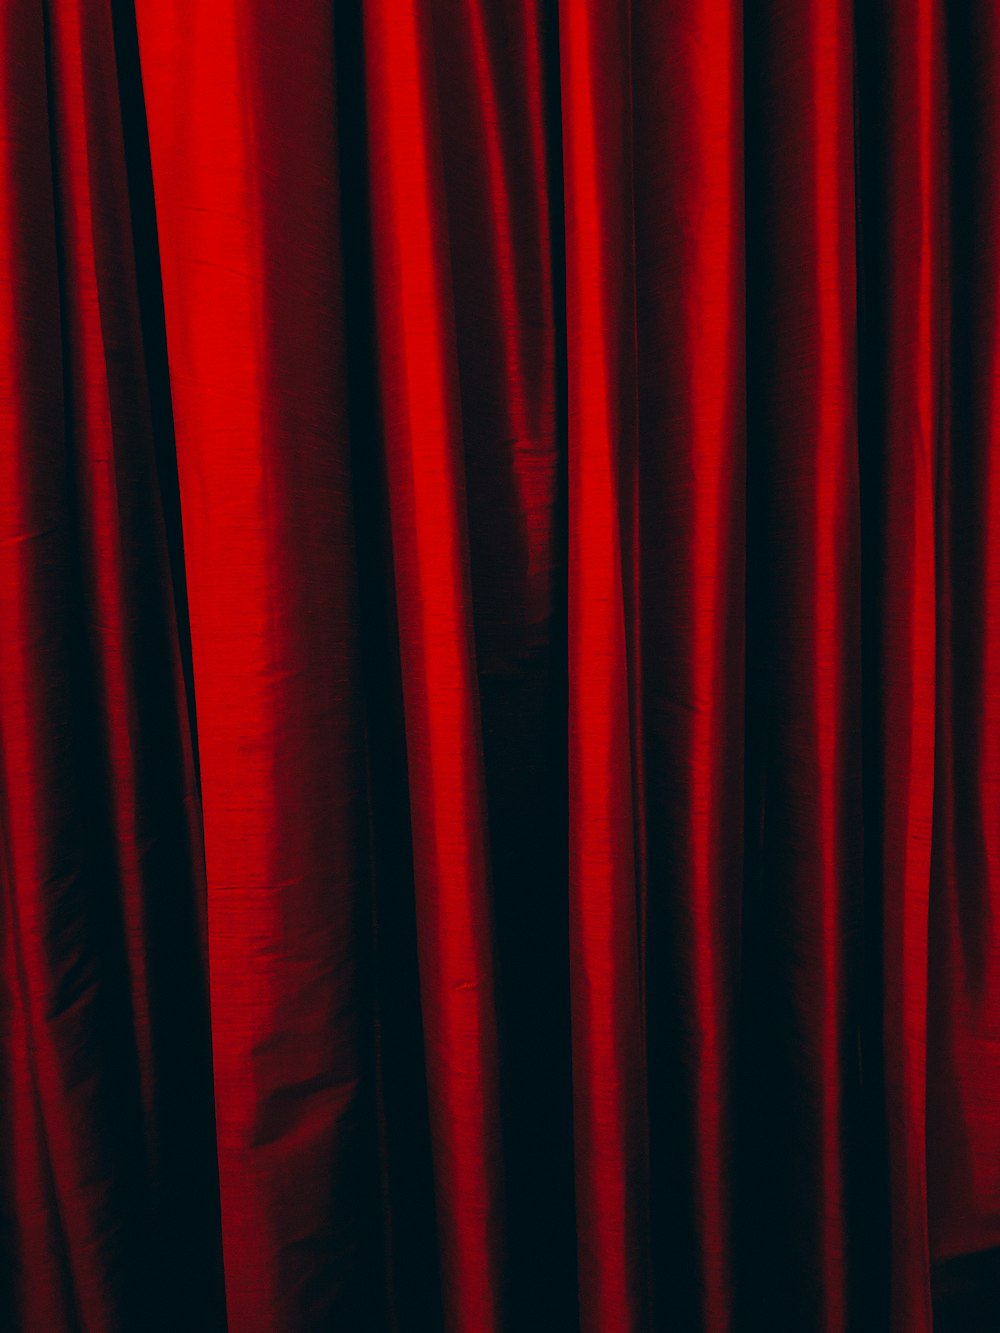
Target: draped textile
499, 665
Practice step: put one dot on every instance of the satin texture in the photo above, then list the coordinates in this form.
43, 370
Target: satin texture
499, 665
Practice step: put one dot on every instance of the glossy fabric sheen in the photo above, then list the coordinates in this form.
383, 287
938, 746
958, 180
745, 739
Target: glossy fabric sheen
499, 663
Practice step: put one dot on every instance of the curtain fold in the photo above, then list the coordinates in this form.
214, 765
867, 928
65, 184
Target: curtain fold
799, 1024
499, 691
907, 255
607, 889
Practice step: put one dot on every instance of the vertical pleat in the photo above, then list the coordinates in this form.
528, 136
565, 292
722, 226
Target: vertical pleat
800, 1021
609, 1076
901, 59
963, 1004
495, 94
149, 790
688, 113
117, 1061
36, 725
240, 102
425, 472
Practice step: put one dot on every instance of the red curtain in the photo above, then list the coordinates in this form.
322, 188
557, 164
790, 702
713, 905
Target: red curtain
499, 665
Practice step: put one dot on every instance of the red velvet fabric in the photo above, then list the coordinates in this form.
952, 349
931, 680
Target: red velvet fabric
499, 663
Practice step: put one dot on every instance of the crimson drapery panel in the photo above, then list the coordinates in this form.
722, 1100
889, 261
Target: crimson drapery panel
499, 665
